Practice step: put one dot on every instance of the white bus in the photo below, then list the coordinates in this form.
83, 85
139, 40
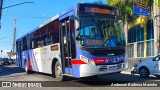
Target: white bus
86, 40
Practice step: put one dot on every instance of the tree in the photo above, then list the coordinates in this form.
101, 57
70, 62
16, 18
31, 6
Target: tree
10, 54
126, 6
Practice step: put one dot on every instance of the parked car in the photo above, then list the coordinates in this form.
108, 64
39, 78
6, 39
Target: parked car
12, 61
1, 62
6, 61
148, 67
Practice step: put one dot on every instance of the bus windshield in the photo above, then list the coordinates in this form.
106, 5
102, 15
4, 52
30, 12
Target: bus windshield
101, 32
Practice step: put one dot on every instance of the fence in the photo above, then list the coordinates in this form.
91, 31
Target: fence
136, 49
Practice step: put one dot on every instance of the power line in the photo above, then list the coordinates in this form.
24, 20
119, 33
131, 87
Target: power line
3, 37
28, 16
6, 12
16, 5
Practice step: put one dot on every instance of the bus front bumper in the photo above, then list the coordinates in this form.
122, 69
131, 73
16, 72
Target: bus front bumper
91, 70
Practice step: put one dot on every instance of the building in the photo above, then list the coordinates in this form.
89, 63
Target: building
143, 34
143, 40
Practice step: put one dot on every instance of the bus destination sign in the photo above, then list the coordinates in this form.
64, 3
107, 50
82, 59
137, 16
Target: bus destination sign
98, 10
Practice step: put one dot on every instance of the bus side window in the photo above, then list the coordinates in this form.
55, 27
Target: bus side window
28, 43
32, 44
24, 44
17, 46
21, 47
49, 40
41, 41
56, 38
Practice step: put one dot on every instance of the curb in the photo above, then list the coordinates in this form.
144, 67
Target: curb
126, 72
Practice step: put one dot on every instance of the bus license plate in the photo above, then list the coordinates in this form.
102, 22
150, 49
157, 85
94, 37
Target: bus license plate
112, 67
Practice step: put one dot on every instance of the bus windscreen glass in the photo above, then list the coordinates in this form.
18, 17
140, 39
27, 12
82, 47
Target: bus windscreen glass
101, 32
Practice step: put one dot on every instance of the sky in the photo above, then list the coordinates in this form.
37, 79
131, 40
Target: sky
28, 16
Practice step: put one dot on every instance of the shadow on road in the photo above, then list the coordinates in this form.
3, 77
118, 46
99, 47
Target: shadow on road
108, 80
100, 81
8, 70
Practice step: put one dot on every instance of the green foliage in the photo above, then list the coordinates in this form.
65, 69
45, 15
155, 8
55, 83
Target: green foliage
10, 54
126, 7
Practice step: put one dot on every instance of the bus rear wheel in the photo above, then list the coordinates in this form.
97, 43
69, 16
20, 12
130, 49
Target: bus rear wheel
58, 72
26, 68
158, 76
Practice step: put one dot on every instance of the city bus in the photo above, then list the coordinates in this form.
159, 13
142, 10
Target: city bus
84, 41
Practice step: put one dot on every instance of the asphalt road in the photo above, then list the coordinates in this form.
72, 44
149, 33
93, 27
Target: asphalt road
13, 73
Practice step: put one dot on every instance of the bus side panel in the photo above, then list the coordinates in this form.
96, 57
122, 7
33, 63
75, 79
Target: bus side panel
45, 59
76, 70
49, 53
24, 58
18, 59
76, 66
40, 59
37, 60
33, 60
29, 58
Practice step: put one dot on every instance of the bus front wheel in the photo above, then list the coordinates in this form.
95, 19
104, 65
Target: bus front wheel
58, 72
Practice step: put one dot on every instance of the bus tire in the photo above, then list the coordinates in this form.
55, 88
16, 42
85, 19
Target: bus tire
157, 76
118, 72
58, 72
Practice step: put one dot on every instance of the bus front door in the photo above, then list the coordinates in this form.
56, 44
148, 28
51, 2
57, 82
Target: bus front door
66, 46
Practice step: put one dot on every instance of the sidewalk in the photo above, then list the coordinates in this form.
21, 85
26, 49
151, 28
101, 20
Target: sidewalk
127, 71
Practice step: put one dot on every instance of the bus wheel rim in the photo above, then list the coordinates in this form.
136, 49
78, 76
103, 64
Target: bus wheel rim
26, 68
58, 71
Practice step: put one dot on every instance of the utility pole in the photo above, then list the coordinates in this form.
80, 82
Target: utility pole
156, 27
1, 4
14, 36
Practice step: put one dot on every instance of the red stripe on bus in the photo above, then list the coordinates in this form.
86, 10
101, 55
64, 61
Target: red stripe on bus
78, 62
29, 62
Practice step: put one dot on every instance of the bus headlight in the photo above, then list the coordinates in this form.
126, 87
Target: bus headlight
91, 62
86, 60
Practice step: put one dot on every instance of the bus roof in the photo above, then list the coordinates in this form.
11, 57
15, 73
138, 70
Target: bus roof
61, 14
